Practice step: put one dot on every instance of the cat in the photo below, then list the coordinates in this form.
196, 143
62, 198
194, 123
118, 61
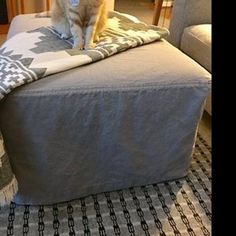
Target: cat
84, 20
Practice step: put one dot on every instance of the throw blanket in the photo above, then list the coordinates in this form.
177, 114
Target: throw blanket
32, 55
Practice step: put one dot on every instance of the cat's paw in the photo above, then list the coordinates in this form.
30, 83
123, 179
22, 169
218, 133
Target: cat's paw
79, 46
90, 46
64, 36
96, 38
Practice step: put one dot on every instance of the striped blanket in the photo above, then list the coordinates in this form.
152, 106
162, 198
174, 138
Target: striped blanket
35, 54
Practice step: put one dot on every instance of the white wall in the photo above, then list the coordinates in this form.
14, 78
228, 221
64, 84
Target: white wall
110, 4
166, 3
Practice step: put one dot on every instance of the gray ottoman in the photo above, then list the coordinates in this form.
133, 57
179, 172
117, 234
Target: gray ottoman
125, 121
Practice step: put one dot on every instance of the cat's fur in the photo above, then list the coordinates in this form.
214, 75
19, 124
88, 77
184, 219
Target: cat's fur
84, 20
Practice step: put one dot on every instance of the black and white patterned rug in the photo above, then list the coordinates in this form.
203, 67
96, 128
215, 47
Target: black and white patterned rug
181, 207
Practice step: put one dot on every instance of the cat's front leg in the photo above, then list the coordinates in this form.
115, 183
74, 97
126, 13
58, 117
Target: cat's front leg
96, 38
78, 43
90, 33
89, 37
77, 34
60, 22
65, 36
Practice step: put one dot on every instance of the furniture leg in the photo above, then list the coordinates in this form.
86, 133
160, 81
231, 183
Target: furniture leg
157, 12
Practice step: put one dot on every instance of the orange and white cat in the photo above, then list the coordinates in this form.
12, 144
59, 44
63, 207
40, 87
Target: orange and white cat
84, 20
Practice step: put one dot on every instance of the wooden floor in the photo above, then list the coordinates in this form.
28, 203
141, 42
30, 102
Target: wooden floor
3, 32
2, 38
4, 29
205, 127
144, 10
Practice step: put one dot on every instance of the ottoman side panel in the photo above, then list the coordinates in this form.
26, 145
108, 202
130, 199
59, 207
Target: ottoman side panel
69, 144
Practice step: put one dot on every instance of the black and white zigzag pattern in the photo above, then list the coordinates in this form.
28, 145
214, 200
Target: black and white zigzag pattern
181, 207
14, 72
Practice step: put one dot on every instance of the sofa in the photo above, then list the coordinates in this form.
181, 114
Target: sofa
190, 31
128, 120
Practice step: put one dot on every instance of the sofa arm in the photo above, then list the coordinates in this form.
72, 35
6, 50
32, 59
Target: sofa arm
186, 13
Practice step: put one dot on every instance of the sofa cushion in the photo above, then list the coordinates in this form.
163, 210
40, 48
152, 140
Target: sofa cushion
186, 13
196, 42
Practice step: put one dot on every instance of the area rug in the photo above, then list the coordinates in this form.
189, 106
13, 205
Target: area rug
181, 207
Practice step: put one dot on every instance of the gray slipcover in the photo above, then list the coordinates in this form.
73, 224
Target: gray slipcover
187, 13
196, 42
128, 120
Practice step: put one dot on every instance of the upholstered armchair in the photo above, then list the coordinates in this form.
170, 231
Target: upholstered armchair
190, 31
